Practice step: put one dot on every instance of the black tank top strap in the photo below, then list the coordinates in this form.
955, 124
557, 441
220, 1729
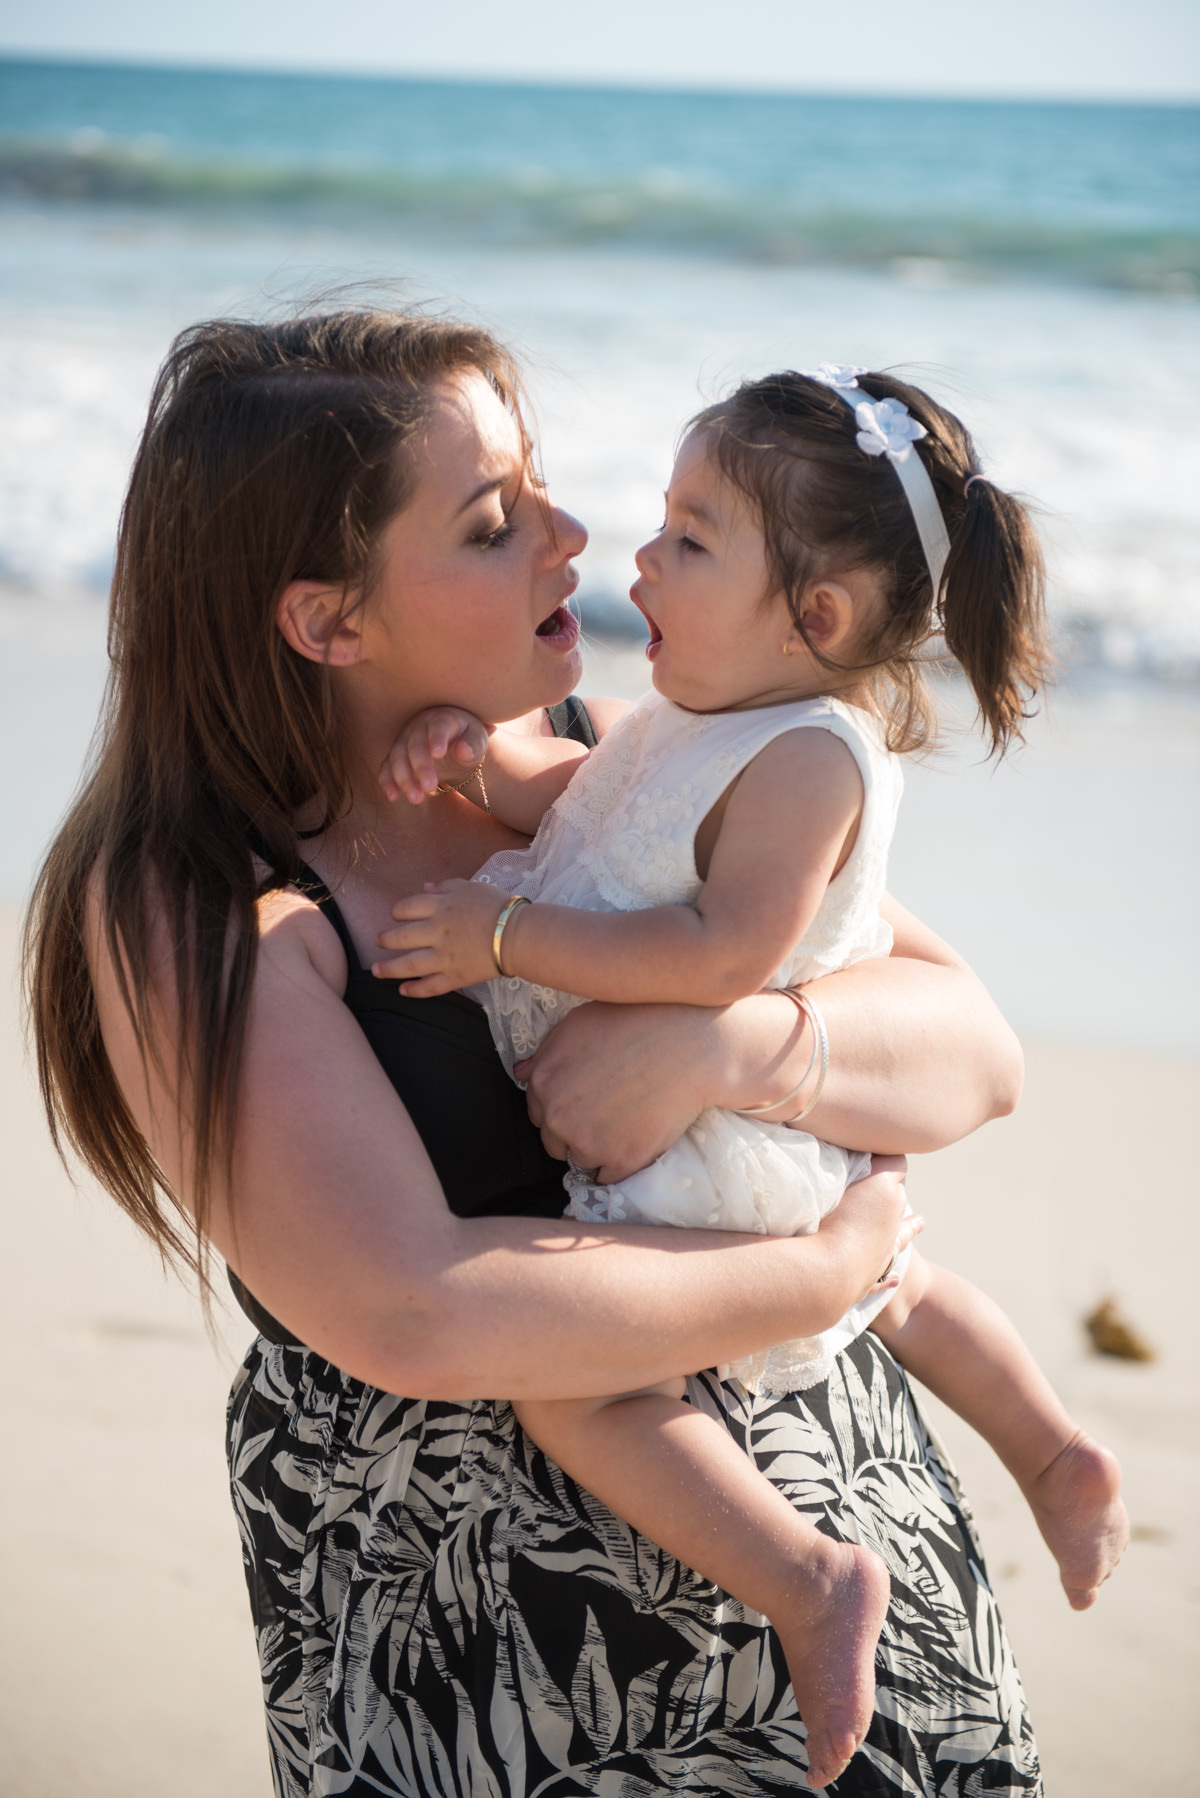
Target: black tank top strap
570, 718
309, 882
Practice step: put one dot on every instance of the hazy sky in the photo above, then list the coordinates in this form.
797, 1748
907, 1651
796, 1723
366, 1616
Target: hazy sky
1074, 48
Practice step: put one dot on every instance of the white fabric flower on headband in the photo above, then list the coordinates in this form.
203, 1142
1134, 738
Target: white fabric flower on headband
835, 374
887, 428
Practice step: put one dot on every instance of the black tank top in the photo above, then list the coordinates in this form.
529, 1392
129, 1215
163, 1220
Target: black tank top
439, 1056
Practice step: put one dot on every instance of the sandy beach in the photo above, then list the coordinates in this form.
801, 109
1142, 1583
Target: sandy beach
127, 1668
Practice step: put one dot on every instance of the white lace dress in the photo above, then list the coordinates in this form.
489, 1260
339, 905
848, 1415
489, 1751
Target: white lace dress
621, 838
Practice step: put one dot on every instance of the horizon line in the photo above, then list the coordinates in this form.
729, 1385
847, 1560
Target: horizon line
609, 84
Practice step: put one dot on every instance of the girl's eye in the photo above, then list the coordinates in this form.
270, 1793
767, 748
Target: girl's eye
495, 539
690, 547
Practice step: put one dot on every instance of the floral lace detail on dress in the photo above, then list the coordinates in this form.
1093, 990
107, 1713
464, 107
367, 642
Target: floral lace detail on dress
603, 780
646, 857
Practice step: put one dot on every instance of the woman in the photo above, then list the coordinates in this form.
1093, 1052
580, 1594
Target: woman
331, 524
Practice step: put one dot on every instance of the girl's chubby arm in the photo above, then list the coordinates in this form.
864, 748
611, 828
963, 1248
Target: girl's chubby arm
333, 1217
787, 826
514, 775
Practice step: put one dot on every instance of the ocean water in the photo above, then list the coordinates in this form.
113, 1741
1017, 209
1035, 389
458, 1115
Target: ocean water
1036, 266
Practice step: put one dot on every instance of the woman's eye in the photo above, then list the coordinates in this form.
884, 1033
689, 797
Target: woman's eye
495, 539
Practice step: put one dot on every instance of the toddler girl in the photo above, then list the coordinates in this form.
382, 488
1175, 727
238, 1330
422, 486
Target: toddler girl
730, 834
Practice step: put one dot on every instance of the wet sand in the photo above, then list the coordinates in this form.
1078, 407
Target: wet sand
127, 1667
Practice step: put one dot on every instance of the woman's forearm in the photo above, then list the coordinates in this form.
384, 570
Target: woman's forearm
516, 1308
919, 1056
335, 1222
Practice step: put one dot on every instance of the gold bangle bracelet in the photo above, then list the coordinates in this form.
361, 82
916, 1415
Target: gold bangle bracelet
820, 1050
498, 933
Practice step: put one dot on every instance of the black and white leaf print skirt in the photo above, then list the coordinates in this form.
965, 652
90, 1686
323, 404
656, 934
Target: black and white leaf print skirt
442, 1613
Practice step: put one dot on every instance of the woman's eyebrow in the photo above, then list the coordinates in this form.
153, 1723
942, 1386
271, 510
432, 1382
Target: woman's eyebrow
493, 486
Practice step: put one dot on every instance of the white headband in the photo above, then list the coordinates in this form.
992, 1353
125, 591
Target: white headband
887, 428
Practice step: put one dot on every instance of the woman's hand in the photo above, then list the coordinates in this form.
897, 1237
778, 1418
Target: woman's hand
615, 1085
869, 1217
910, 1229
612, 1086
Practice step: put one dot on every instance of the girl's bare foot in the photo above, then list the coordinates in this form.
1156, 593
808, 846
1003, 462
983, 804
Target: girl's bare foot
829, 1638
1077, 1504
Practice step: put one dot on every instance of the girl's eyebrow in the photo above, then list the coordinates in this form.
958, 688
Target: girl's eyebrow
695, 510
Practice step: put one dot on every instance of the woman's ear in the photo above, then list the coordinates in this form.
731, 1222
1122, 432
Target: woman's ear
827, 610
311, 619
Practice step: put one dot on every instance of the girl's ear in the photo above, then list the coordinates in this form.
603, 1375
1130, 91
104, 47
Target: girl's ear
311, 619
827, 610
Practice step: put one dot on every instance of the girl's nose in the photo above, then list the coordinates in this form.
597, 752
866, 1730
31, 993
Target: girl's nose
643, 558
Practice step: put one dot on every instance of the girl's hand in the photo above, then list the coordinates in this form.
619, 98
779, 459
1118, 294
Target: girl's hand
442, 938
443, 745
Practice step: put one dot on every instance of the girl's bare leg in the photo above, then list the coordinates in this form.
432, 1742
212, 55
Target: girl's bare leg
676, 1476
959, 1343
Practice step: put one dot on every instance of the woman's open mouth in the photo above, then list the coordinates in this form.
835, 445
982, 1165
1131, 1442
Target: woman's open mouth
560, 630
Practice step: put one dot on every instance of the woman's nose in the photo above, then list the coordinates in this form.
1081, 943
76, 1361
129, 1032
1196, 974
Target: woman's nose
567, 534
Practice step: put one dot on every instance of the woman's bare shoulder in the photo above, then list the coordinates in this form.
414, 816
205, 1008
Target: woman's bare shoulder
291, 929
290, 925
300, 964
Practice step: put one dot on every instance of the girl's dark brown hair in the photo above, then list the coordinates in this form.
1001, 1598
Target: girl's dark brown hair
272, 452
788, 444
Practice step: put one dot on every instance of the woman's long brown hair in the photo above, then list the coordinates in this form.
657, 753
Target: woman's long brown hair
272, 452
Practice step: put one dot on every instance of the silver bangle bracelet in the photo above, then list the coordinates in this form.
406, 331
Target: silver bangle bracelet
818, 1024
820, 1049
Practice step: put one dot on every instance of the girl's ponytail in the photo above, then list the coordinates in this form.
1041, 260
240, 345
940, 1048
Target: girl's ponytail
993, 607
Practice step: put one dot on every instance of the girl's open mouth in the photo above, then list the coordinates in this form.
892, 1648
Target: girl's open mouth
655, 633
561, 629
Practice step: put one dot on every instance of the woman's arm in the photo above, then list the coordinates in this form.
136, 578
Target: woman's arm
919, 1057
923, 1054
335, 1221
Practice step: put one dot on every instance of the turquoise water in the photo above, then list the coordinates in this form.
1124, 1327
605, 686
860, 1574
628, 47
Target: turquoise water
1035, 266
1038, 264
1107, 194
